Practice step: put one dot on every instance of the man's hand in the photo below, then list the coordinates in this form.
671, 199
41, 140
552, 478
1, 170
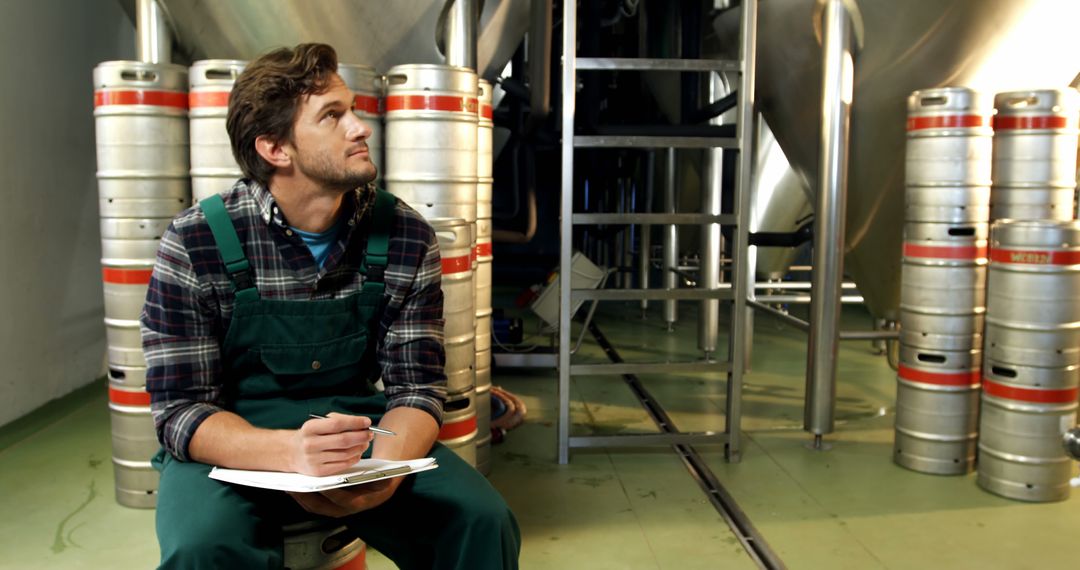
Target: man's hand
329, 446
347, 501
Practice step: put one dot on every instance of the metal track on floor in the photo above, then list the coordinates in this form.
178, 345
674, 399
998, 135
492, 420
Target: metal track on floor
725, 504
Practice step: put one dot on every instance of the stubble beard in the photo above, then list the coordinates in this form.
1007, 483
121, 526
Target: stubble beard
330, 177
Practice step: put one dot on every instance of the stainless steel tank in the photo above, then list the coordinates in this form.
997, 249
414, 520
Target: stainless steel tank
988, 45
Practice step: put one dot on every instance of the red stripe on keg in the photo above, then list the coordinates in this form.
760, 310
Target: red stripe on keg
485, 112
1065, 396
458, 429
1035, 257
141, 97
946, 122
129, 398
483, 249
208, 99
450, 103
944, 251
126, 276
367, 104
358, 563
1006, 123
456, 264
939, 378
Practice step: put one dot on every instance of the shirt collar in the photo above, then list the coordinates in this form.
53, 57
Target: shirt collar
357, 204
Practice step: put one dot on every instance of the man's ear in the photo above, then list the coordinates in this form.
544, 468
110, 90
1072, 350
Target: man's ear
273, 152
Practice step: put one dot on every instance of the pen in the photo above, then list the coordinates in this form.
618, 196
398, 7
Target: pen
372, 428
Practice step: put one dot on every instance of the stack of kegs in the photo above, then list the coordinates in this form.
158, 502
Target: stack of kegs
213, 167
431, 164
484, 168
459, 429
942, 299
1032, 349
1032, 366
141, 124
367, 85
1035, 141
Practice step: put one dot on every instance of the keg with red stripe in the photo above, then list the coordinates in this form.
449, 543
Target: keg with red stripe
943, 285
134, 442
1035, 143
141, 131
431, 131
128, 249
213, 167
459, 428
367, 85
1020, 433
1033, 304
484, 158
937, 407
318, 545
949, 138
458, 312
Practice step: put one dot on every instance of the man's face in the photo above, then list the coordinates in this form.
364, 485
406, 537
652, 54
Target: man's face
330, 142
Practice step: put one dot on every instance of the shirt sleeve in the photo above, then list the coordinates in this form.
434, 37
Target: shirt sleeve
181, 349
412, 353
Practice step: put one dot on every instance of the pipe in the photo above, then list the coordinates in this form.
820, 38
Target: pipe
837, 77
671, 242
539, 62
712, 183
461, 23
153, 41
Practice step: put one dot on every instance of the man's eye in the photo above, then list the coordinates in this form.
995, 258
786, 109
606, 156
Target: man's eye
332, 115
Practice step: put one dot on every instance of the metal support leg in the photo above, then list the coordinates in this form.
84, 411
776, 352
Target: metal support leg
152, 36
566, 229
645, 253
837, 77
711, 248
461, 24
671, 241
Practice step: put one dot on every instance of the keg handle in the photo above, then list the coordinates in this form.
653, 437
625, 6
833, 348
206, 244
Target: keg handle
962, 231
1021, 102
115, 374
221, 74
932, 358
1002, 371
397, 79
933, 101
141, 75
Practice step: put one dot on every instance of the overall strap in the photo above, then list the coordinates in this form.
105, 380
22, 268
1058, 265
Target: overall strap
378, 242
236, 263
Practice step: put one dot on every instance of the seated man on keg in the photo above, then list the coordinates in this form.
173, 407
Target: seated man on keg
289, 295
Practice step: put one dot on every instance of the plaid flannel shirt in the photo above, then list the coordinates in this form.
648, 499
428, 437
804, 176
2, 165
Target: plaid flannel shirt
190, 301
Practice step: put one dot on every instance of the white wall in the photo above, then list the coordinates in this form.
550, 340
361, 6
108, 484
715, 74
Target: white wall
52, 339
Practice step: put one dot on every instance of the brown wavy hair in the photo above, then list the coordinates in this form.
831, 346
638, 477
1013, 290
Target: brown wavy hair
266, 96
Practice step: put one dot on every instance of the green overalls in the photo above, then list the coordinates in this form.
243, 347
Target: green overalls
282, 360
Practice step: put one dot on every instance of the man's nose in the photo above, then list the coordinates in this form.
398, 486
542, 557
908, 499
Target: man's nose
358, 129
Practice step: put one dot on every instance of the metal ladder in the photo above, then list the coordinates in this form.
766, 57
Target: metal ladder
734, 365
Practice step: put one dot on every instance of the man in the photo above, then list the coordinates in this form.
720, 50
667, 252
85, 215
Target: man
289, 296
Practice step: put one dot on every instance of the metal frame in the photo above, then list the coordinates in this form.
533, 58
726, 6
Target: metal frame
734, 367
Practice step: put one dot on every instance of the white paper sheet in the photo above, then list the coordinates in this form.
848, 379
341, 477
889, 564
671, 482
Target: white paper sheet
365, 471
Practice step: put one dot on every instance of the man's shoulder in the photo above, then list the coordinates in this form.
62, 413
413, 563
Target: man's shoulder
411, 225
238, 203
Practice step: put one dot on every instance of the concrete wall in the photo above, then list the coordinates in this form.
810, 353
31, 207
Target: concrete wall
52, 339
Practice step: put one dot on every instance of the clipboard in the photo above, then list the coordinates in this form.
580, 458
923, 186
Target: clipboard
364, 471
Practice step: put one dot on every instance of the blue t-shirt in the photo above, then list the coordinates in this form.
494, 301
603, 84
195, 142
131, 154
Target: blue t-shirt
319, 243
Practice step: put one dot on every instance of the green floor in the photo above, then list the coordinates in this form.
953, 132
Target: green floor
849, 507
